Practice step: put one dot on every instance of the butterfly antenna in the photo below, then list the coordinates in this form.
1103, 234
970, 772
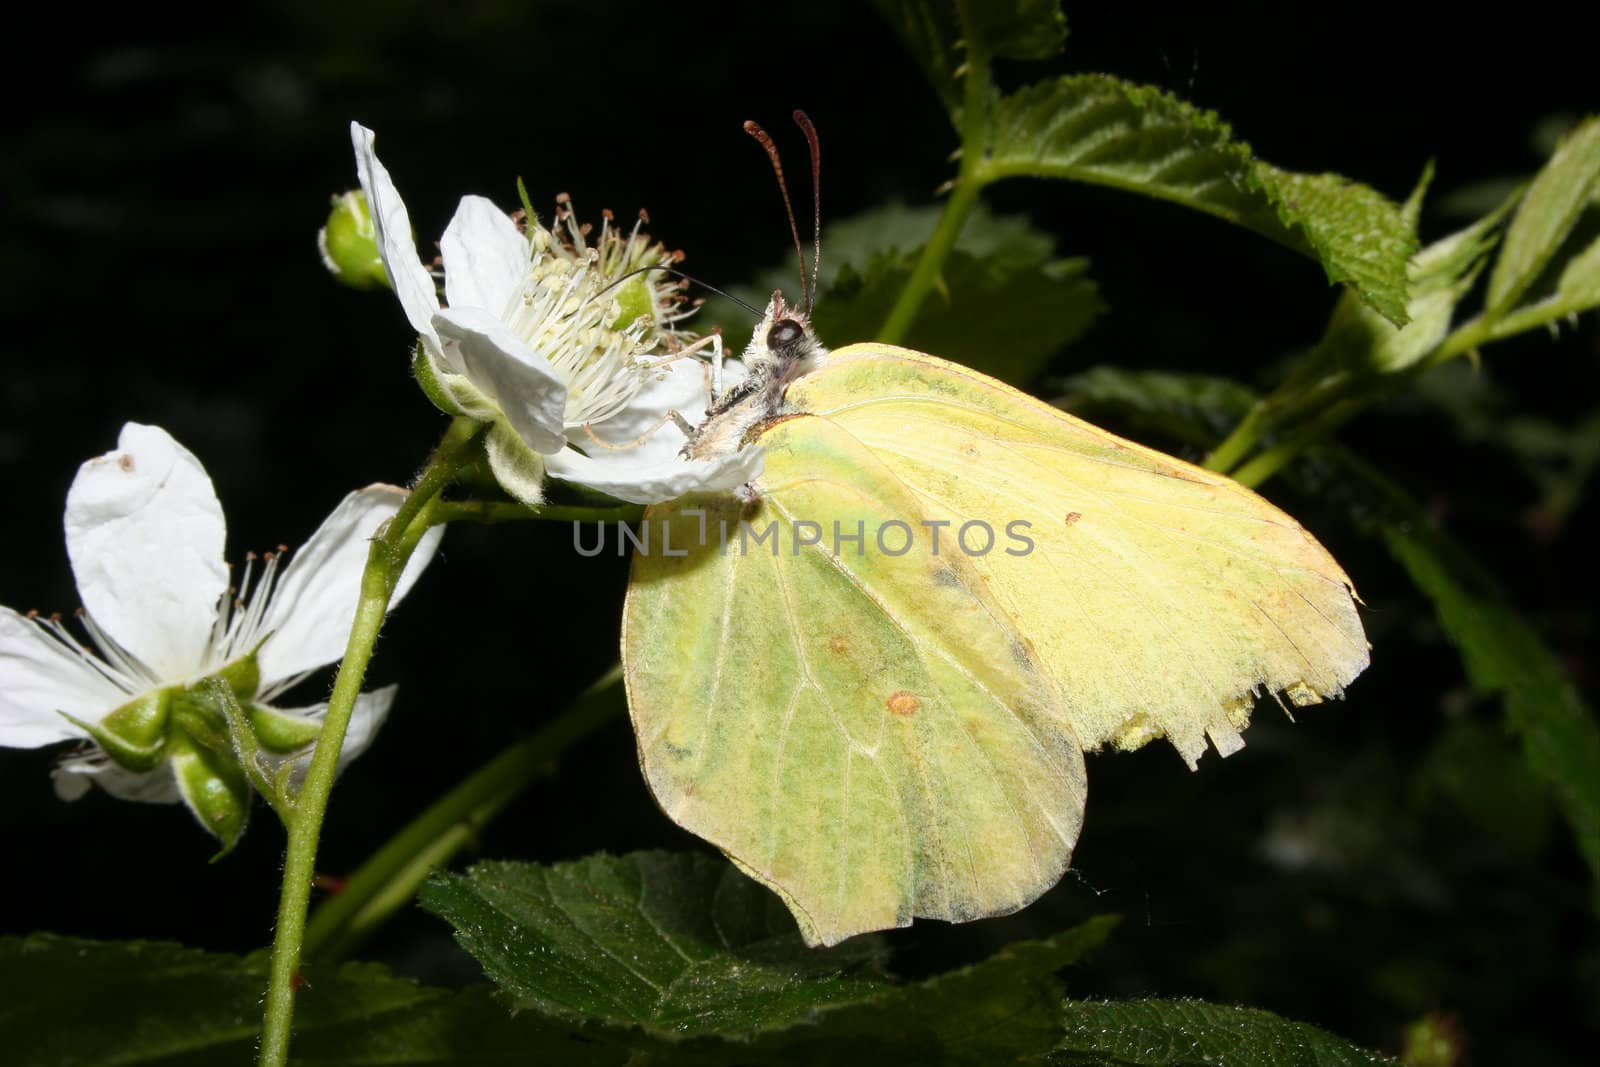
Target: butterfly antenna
686, 277
803, 120
755, 130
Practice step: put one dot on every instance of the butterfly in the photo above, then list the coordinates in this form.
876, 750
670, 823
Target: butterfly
870, 678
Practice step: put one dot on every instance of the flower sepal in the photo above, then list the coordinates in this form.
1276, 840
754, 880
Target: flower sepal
437, 384
133, 736
280, 733
213, 787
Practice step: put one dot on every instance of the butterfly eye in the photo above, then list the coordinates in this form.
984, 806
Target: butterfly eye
783, 334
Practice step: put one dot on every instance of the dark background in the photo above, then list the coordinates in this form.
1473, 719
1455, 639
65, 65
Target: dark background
161, 183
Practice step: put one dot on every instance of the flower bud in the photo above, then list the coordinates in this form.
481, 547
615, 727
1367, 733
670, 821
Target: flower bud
349, 243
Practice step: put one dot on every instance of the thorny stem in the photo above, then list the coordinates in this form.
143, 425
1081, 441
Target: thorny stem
386, 561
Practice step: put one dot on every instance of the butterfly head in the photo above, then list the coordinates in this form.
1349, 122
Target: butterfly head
783, 346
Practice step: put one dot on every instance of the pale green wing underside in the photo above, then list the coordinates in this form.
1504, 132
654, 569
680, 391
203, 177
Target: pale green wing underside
866, 734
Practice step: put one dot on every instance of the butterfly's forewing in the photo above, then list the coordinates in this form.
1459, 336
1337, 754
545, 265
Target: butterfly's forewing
865, 732
1158, 596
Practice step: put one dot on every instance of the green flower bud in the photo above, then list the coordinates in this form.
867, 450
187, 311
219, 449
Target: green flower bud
349, 243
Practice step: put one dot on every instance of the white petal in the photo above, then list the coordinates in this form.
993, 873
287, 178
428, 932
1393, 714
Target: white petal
39, 677
72, 777
368, 714
486, 258
308, 620
145, 535
655, 480
651, 470
519, 380
682, 390
409, 278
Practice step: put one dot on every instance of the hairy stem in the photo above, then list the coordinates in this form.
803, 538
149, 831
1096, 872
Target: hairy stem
389, 878
968, 184
386, 561
491, 512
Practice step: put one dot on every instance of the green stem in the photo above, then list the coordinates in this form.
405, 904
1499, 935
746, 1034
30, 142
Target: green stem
497, 511
389, 878
968, 184
1464, 339
1274, 459
1336, 405
1240, 441
386, 560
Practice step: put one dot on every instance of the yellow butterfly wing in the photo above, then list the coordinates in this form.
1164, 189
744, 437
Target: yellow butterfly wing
879, 735
1159, 595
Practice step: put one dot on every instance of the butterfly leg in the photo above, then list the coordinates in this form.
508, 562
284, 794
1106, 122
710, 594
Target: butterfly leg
713, 340
671, 416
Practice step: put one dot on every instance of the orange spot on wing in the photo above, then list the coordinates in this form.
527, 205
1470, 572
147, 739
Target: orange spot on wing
1073, 516
903, 702
837, 645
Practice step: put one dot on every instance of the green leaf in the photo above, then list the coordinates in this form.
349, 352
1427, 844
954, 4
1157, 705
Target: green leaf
1005, 306
1558, 195
1197, 409
932, 33
1098, 129
1006, 323
677, 943
1019, 29
1579, 288
1574, 288
1360, 340
1179, 1033
929, 30
1504, 656
143, 1004
1476, 767
1000, 1010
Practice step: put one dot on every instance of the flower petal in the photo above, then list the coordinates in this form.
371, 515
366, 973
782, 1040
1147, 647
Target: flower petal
519, 380
651, 470
145, 535
486, 258
40, 677
308, 619
683, 389
407, 276
73, 775
656, 480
